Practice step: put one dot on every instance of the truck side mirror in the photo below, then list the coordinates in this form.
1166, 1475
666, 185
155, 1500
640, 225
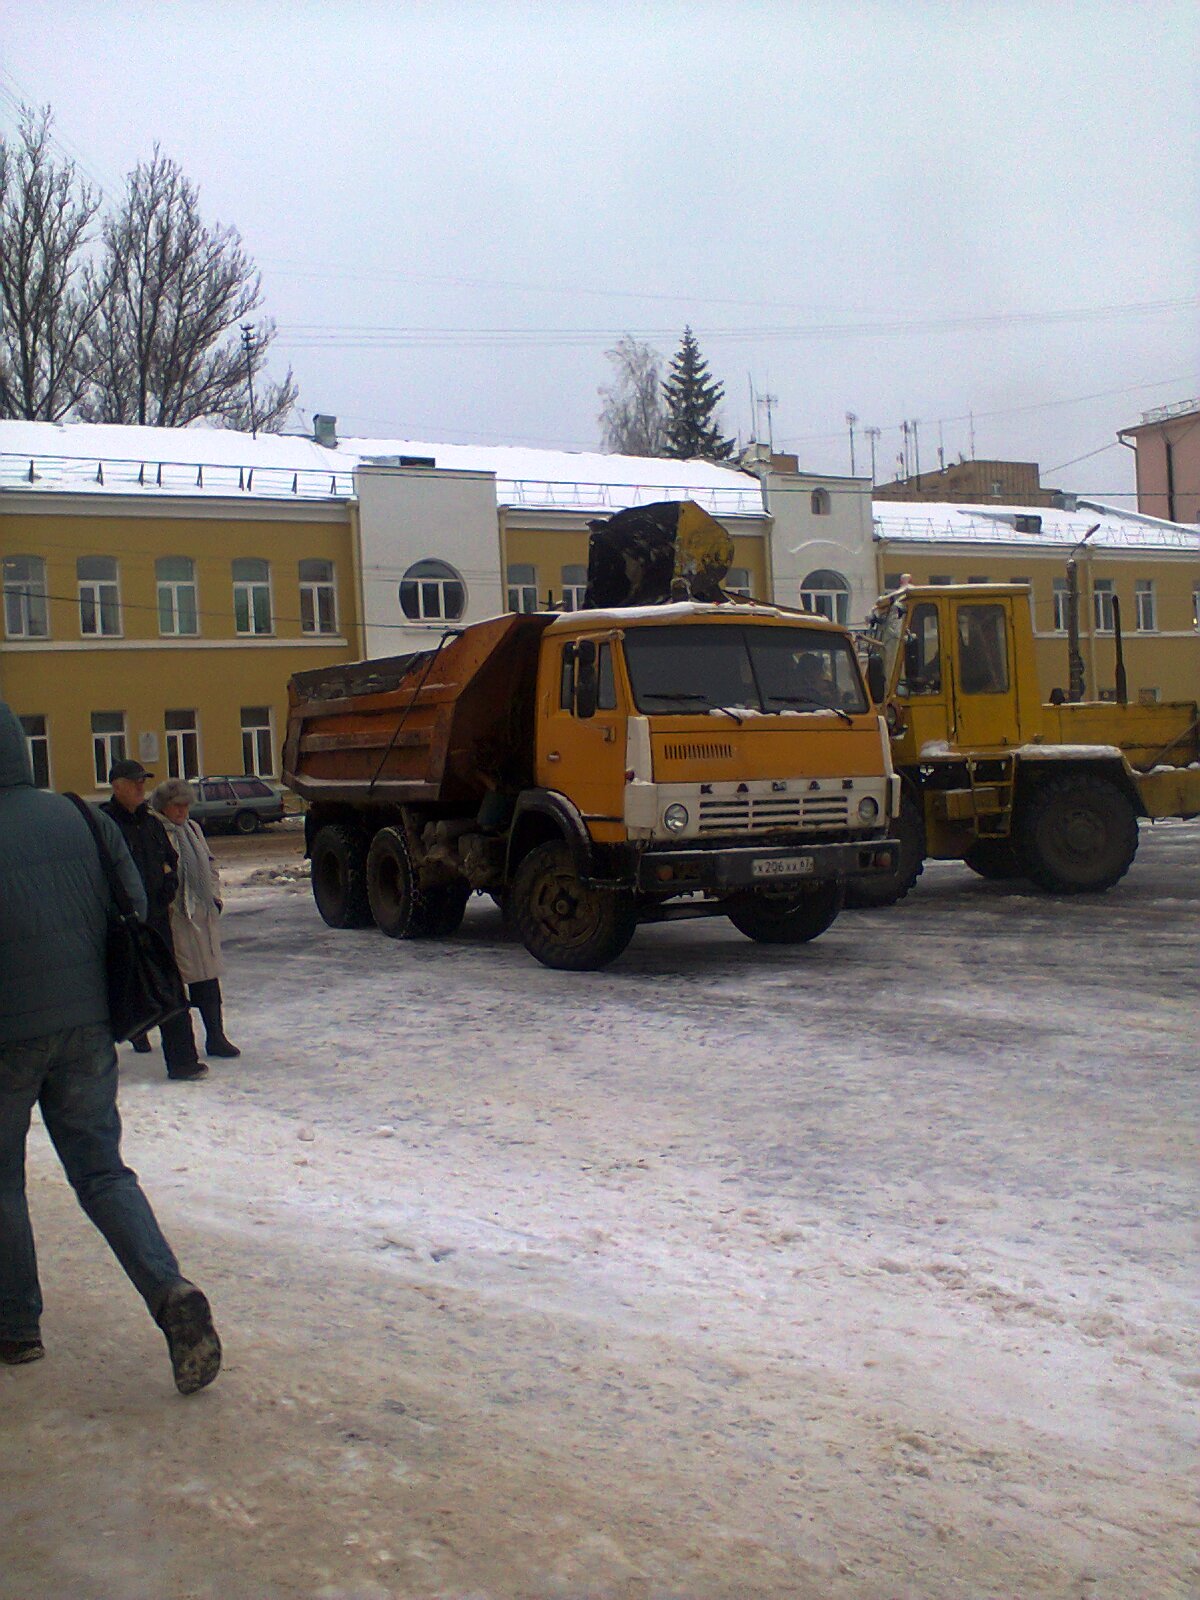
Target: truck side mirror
585, 678
876, 678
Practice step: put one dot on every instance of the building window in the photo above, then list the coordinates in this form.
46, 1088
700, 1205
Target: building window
99, 598
177, 611
1028, 582
1143, 603
891, 580
943, 579
826, 594
38, 742
820, 502
252, 596
737, 581
1062, 606
183, 745
574, 587
258, 759
979, 580
1148, 697
25, 613
522, 586
108, 742
431, 591
1102, 604
318, 597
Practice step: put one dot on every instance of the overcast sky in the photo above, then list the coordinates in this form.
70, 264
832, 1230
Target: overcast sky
903, 210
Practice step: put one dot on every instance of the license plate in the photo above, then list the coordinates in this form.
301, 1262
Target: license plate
782, 867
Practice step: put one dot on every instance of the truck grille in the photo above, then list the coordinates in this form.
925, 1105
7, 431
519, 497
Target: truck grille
693, 750
741, 813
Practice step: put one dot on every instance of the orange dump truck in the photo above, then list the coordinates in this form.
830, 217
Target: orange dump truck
595, 770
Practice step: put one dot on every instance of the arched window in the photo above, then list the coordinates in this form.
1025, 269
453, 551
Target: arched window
826, 594
431, 591
25, 614
820, 503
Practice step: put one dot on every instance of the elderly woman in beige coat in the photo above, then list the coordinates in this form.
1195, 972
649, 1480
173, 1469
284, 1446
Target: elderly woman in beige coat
194, 911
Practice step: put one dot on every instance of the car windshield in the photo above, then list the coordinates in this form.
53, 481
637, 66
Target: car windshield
719, 666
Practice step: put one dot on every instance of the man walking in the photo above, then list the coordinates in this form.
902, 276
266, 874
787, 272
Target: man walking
154, 856
56, 1051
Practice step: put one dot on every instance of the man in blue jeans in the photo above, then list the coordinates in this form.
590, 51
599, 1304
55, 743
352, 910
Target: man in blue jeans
56, 1051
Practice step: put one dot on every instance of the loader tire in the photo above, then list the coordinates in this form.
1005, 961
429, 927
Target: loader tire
787, 919
997, 859
884, 889
445, 908
339, 876
397, 902
563, 922
1077, 835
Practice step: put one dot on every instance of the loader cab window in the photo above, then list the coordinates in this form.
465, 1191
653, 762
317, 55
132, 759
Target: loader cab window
982, 650
606, 684
921, 670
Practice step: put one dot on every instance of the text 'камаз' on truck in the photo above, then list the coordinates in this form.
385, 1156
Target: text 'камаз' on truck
594, 770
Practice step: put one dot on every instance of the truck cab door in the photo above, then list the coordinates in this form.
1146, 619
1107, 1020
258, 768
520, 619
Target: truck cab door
582, 757
922, 687
985, 702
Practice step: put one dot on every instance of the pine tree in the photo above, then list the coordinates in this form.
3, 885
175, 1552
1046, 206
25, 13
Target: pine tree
692, 398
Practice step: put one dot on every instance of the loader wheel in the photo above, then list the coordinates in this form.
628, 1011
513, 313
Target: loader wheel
787, 919
997, 859
885, 888
397, 902
339, 880
1078, 834
563, 922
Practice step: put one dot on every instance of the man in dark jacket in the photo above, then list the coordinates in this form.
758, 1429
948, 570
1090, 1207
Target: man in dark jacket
154, 857
56, 1051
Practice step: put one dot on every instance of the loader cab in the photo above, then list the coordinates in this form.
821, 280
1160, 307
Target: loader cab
960, 668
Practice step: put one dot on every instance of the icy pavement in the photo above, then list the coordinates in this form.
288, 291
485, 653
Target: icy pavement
864, 1271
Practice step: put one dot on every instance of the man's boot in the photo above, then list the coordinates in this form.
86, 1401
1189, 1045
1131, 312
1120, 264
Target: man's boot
185, 1318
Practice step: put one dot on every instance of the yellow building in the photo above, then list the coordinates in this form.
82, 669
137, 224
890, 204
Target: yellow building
164, 625
1150, 568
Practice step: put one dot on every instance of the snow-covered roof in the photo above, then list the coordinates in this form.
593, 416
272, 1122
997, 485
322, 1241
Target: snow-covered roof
109, 458
913, 522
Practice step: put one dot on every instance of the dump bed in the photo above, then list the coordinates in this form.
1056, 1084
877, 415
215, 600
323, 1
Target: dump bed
450, 724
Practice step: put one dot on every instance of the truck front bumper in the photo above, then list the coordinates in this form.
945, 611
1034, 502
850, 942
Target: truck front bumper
723, 871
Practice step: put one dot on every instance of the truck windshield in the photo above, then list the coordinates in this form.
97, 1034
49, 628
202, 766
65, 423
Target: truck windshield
719, 667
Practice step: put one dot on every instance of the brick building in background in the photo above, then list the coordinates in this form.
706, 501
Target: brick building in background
975, 483
1167, 445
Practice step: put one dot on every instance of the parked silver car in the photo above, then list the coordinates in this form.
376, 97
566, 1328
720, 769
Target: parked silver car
242, 804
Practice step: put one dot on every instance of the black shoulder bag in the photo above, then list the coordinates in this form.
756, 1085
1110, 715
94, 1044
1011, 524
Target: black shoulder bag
144, 986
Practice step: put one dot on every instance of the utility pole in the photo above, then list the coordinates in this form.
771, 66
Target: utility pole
851, 419
873, 435
904, 431
248, 347
767, 401
917, 448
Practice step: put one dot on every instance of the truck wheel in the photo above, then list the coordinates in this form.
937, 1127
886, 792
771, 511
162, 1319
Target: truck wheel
563, 922
885, 888
1078, 834
395, 896
787, 919
445, 907
997, 859
339, 882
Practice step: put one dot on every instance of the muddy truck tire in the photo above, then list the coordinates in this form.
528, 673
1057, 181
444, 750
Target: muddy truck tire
1077, 834
996, 859
563, 922
339, 877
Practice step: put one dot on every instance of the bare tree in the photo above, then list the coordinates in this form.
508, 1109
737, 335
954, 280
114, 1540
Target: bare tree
48, 291
176, 291
633, 418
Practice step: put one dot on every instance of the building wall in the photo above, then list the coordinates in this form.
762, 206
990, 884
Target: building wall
821, 524
409, 515
1174, 496
1009, 483
1166, 659
142, 674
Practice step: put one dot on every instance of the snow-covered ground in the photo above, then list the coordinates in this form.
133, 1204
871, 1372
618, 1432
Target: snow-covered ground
854, 1272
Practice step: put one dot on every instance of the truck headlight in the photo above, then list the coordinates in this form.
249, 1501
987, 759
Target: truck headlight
676, 818
868, 808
